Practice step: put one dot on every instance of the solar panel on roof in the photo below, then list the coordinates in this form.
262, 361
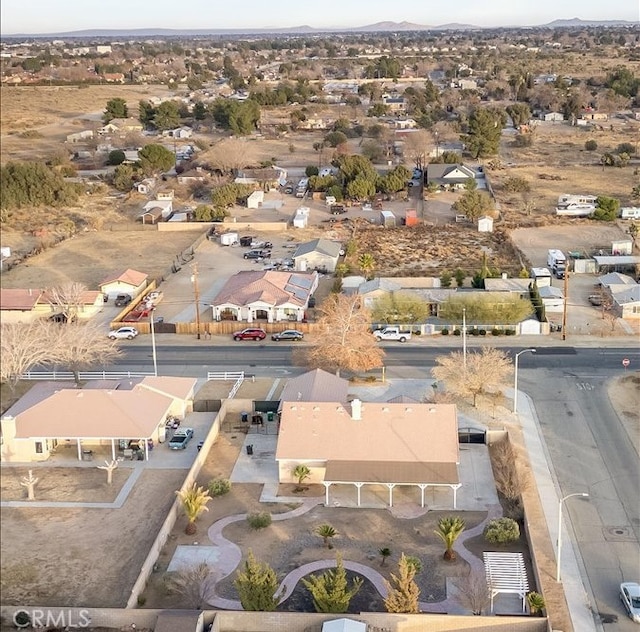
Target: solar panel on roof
301, 281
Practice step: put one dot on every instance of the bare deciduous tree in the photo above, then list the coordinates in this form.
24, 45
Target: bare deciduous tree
82, 346
508, 482
195, 585
484, 370
24, 346
229, 155
473, 593
67, 299
29, 482
346, 342
110, 467
416, 147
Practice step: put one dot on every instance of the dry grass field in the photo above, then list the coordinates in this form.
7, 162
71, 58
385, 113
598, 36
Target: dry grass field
35, 120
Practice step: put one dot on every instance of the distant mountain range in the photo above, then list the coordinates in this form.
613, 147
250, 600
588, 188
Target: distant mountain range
378, 27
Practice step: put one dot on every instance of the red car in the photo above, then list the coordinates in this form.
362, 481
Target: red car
251, 333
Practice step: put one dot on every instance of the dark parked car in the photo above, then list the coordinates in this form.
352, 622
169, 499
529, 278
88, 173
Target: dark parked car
337, 209
122, 300
246, 241
251, 333
288, 334
257, 254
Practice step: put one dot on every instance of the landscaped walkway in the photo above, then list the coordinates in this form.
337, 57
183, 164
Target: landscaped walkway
230, 557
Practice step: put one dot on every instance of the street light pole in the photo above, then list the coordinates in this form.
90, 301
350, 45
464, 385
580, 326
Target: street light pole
515, 381
464, 337
153, 344
560, 504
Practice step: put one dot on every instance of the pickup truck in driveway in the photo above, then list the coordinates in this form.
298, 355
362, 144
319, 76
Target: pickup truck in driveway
392, 333
181, 438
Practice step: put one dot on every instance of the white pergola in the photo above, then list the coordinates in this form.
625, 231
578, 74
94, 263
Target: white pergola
506, 573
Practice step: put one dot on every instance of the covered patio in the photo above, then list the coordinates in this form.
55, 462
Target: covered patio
391, 475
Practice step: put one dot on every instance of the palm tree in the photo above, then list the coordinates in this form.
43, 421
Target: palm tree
384, 554
449, 529
536, 603
194, 501
326, 532
301, 472
367, 264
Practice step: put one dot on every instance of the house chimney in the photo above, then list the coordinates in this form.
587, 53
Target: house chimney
356, 410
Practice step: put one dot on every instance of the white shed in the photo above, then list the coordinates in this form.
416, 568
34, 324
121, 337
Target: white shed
485, 224
344, 625
387, 218
301, 218
255, 199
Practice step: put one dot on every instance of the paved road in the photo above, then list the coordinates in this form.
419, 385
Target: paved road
592, 452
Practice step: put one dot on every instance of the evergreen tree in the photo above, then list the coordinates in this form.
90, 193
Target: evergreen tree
483, 131
116, 108
403, 592
330, 591
257, 585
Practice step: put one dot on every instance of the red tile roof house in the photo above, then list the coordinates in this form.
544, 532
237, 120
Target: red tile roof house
268, 295
52, 413
127, 282
370, 444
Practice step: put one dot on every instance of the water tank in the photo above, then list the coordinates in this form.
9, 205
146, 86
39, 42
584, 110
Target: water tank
302, 265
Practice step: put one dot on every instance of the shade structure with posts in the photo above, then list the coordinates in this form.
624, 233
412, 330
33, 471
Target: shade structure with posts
506, 573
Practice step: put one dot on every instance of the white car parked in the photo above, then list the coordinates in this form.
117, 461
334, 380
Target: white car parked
124, 332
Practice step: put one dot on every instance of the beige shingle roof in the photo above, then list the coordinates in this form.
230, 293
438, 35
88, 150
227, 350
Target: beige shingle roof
94, 414
386, 432
316, 386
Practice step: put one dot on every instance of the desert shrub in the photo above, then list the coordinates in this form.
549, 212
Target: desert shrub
591, 145
516, 184
626, 148
483, 332
219, 487
510, 332
502, 531
259, 520
474, 331
456, 332
445, 331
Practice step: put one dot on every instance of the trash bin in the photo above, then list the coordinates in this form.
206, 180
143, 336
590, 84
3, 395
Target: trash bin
270, 416
250, 449
87, 455
244, 417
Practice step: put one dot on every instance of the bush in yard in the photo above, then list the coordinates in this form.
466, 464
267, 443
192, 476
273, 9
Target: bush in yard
510, 332
496, 331
259, 520
456, 332
483, 332
445, 331
219, 487
591, 145
502, 531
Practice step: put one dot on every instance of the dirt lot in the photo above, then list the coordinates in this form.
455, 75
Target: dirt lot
91, 256
71, 557
64, 484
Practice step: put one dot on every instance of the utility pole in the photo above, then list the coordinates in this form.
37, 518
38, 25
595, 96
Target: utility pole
566, 299
196, 291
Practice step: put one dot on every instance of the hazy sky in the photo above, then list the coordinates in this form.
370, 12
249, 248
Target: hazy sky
47, 16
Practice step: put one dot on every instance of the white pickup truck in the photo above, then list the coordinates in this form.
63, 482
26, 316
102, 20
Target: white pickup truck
392, 333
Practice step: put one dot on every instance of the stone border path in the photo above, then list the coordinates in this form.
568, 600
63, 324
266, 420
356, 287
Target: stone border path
231, 556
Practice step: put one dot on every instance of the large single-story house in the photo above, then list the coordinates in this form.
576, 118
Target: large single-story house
266, 178
25, 305
370, 444
53, 414
126, 282
269, 295
156, 211
320, 254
